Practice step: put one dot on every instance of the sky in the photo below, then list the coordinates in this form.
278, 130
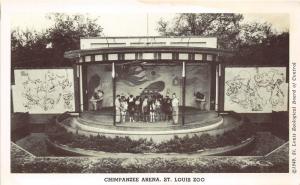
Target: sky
135, 24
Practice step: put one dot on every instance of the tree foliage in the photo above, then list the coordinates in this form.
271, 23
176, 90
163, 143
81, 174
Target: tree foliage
32, 48
225, 26
273, 50
228, 28
255, 42
68, 29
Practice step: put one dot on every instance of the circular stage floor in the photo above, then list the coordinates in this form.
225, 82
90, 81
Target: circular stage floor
105, 117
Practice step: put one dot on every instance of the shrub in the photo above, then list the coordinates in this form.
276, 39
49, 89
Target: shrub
185, 144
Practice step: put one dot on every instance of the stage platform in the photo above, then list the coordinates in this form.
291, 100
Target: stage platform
105, 116
196, 122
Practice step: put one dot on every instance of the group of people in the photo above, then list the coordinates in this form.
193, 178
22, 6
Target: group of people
147, 108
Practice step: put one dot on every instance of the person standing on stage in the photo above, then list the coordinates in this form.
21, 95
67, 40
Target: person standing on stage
118, 109
175, 108
158, 110
145, 109
168, 108
137, 108
152, 111
124, 108
131, 105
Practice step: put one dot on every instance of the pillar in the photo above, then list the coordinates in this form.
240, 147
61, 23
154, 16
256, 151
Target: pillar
183, 91
114, 92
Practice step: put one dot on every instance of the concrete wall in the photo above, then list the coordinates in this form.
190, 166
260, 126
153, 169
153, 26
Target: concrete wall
19, 126
104, 42
23, 124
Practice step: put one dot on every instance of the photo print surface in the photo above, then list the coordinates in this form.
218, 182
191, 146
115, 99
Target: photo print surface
255, 89
43, 91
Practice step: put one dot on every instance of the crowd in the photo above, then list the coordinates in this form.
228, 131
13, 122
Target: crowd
151, 108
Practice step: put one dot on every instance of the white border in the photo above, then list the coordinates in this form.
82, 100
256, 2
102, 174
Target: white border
142, 6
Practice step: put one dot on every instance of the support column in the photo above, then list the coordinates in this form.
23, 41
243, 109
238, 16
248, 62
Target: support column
77, 87
81, 89
114, 92
218, 68
183, 92
85, 102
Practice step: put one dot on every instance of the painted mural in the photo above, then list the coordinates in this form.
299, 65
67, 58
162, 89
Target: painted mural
99, 78
43, 91
137, 80
198, 80
260, 89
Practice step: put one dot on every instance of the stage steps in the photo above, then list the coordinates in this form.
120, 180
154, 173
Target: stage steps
149, 131
105, 117
150, 126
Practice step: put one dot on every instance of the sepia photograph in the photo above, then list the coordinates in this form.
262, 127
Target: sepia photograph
149, 93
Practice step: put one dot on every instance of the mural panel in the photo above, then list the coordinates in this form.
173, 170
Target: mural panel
140, 80
252, 90
99, 79
198, 80
43, 91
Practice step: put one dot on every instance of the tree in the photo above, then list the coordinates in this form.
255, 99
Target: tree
27, 46
254, 33
68, 29
32, 48
228, 28
254, 42
273, 50
225, 26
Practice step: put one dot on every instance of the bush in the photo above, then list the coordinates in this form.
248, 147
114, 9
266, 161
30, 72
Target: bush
125, 144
